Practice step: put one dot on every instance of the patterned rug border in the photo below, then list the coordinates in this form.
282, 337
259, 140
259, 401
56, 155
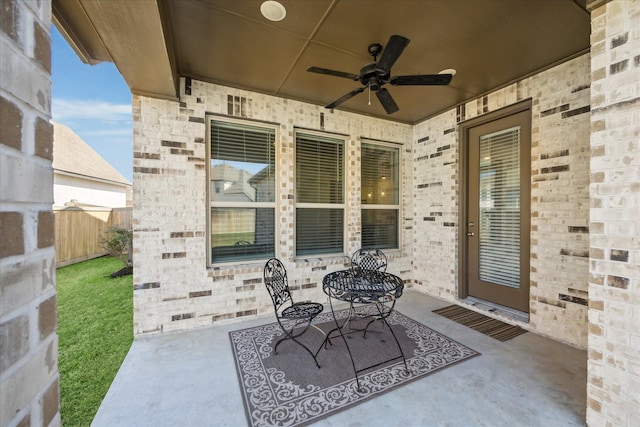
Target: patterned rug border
349, 387
494, 328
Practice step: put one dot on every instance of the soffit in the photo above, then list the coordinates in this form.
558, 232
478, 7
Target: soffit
130, 34
489, 42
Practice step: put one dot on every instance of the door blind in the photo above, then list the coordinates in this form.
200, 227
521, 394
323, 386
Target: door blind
499, 228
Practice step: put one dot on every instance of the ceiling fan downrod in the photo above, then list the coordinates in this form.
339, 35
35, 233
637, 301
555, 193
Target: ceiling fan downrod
374, 50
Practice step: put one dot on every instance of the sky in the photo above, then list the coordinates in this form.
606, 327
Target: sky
95, 102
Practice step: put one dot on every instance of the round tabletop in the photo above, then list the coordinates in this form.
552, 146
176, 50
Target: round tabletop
362, 286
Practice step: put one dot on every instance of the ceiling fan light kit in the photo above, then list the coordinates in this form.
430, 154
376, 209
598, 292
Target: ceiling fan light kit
378, 73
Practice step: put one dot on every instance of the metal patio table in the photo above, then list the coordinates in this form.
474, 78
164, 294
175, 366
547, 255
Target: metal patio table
361, 286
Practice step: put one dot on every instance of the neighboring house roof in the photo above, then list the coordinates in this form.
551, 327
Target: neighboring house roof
238, 179
264, 174
72, 155
226, 172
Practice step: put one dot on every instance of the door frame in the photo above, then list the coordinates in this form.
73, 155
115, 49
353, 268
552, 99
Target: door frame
464, 127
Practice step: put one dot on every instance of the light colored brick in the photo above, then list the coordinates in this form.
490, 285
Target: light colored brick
157, 121
161, 120
14, 340
615, 164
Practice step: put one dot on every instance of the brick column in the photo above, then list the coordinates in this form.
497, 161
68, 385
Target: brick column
29, 380
613, 388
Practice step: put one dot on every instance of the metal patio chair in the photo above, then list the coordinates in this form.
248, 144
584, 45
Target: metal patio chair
369, 259
289, 314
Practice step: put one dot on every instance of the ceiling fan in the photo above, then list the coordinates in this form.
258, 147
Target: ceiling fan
375, 75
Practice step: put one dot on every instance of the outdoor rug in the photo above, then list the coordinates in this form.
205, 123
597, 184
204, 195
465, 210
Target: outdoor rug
481, 323
288, 390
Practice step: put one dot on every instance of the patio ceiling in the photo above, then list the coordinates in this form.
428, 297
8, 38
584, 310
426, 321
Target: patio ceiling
490, 43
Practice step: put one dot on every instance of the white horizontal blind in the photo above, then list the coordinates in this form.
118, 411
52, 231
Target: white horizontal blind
242, 142
319, 231
319, 169
242, 159
242, 175
319, 194
499, 234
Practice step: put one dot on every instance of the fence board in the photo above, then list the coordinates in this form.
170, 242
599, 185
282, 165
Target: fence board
78, 230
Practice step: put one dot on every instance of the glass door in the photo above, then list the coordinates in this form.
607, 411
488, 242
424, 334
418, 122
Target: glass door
498, 211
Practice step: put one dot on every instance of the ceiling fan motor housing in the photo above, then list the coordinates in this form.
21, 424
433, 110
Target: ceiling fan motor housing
371, 77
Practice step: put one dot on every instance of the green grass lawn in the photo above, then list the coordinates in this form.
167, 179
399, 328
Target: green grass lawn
95, 329
229, 239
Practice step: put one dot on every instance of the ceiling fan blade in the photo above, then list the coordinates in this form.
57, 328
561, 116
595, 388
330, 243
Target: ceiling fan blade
333, 73
392, 51
342, 99
422, 80
387, 101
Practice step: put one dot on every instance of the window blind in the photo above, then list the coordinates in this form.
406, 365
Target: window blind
380, 195
379, 170
245, 143
242, 162
319, 194
380, 228
319, 231
499, 238
319, 169
242, 179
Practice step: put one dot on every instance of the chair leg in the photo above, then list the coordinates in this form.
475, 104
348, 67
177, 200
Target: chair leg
289, 335
308, 351
275, 349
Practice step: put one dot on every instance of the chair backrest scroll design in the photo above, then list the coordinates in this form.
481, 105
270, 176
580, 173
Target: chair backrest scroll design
369, 259
275, 279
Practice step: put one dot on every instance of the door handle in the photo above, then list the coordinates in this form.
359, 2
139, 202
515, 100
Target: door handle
470, 233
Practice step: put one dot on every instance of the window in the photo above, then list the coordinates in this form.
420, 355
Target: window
241, 176
380, 186
319, 194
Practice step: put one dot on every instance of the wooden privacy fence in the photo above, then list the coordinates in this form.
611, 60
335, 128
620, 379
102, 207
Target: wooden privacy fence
78, 231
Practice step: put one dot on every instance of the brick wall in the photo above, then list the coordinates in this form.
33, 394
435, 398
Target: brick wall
29, 385
173, 289
613, 391
559, 197
435, 201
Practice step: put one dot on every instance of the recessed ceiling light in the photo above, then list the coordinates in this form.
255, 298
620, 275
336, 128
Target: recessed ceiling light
448, 71
273, 11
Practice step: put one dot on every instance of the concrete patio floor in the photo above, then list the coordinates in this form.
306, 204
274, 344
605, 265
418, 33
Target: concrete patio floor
189, 379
